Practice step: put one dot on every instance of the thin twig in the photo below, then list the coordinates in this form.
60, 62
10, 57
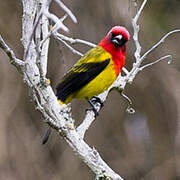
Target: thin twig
44, 11
73, 41
13, 60
37, 39
136, 31
55, 19
158, 43
125, 70
160, 59
129, 109
136, 67
67, 10
71, 48
44, 48
32, 34
139, 59
53, 29
140, 11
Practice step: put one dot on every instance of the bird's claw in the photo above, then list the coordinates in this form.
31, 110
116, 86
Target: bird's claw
92, 102
96, 99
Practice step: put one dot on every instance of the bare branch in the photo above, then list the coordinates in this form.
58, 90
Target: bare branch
19, 64
139, 59
88, 120
160, 59
53, 29
129, 109
69, 47
73, 41
136, 31
139, 11
158, 43
125, 70
44, 48
63, 39
136, 67
67, 10
55, 19
44, 10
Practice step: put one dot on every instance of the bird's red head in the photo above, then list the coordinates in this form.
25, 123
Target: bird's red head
115, 43
115, 38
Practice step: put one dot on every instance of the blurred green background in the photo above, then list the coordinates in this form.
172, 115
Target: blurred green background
145, 145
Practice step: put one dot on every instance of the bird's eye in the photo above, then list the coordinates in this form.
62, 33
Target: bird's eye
118, 40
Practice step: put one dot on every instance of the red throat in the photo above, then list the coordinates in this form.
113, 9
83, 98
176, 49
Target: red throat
118, 53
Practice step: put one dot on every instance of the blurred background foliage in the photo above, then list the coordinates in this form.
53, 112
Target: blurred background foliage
145, 145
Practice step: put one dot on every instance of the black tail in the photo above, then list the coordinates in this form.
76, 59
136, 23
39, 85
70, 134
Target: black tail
46, 135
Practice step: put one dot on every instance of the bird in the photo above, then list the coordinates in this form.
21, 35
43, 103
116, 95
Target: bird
95, 71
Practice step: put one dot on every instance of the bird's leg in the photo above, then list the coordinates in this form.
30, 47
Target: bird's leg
92, 108
46, 135
96, 99
92, 102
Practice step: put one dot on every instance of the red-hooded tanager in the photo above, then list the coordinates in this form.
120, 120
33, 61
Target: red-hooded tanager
96, 70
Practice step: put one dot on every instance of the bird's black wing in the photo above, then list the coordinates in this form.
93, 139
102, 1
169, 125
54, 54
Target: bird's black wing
78, 77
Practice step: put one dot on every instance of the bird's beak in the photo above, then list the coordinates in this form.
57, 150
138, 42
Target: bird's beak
119, 37
117, 40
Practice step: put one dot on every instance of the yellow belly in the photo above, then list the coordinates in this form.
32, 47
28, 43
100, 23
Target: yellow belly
98, 84
101, 82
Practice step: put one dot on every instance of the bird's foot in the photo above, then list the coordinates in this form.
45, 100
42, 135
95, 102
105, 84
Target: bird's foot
92, 102
96, 99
